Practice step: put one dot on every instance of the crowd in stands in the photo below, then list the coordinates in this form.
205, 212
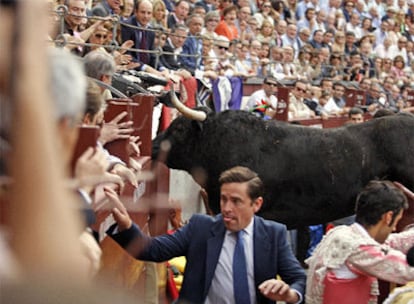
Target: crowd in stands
356, 42
319, 47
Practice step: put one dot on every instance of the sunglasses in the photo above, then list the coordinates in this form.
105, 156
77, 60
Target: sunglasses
100, 36
222, 48
301, 90
271, 84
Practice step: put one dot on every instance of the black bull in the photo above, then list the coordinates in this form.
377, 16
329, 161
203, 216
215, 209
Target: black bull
310, 175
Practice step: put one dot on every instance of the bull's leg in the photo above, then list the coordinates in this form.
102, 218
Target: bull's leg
303, 241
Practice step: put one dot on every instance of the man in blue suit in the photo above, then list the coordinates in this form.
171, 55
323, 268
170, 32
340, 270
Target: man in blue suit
192, 45
208, 243
143, 38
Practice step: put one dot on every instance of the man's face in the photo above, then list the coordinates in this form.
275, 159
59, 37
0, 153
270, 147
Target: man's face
291, 31
304, 34
287, 55
387, 226
327, 38
195, 26
76, 10
281, 27
338, 91
181, 10
365, 84
270, 88
144, 13
321, 17
178, 38
350, 39
388, 83
222, 48
244, 13
237, 208
375, 91
300, 90
327, 86
356, 118
115, 4
318, 37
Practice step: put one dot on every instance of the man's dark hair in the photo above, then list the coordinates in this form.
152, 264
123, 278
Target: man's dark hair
243, 175
354, 111
377, 198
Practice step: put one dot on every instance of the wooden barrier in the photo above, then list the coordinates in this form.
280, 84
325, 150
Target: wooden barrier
147, 204
87, 137
354, 97
139, 109
282, 104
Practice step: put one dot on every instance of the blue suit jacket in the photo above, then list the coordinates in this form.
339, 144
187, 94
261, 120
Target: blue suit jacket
200, 241
191, 47
129, 33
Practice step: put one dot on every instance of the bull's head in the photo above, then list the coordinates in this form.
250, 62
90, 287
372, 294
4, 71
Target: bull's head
186, 111
176, 145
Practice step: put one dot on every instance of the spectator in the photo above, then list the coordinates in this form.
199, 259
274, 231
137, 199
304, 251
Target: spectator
355, 115
208, 5
159, 14
194, 241
263, 102
289, 39
309, 21
180, 14
297, 108
243, 15
328, 39
397, 70
127, 9
317, 40
106, 8
192, 45
350, 41
338, 46
266, 13
338, 95
266, 32
346, 264
211, 21
354, 26
227, 27
174, 45
142, 38
303, 37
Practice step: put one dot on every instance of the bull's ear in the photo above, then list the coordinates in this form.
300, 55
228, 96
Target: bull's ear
197, 125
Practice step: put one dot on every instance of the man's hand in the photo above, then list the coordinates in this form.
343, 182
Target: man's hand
133, 146
115, 129
277, 290
408, 193
125, 173
92, 163
119, 211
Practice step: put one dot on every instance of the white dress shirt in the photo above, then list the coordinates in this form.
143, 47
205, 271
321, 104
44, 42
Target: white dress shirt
221, 289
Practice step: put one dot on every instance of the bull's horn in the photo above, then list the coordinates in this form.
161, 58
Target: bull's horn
186, 111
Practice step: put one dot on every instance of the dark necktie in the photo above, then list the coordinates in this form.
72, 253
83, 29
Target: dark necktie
144, 57
240, 284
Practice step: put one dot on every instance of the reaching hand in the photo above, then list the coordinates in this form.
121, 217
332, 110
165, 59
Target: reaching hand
119, 211
408, 193
125, 173
115, 129
277, 290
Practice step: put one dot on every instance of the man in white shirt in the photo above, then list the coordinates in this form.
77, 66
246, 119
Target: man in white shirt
264, 102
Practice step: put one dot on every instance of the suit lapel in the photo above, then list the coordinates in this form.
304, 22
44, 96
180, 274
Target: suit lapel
214, 244
261, 250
